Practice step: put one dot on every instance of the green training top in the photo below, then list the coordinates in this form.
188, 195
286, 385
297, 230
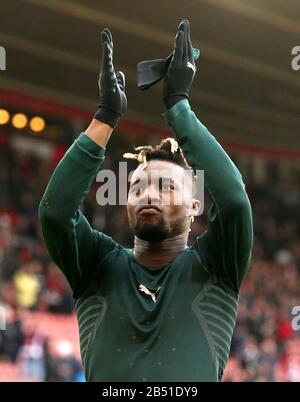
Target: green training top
124, 335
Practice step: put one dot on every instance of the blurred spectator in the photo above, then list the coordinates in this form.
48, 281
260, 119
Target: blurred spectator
68, 368
57, 296
27, 284
11, 340
32, 355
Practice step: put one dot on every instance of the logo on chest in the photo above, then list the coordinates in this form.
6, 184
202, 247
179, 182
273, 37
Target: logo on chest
143, 288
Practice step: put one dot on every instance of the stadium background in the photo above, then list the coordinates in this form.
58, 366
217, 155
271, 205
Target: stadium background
247, 94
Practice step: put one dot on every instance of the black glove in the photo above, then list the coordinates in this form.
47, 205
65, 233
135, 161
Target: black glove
182, 68
152, 71
113, 102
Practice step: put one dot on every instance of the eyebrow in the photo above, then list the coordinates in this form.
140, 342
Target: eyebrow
171, 179
135, 181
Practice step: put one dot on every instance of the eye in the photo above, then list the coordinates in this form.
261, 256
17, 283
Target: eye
137, 187
166, 185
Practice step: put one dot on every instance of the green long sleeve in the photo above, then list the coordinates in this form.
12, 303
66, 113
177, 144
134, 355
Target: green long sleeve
225, 248
73, 245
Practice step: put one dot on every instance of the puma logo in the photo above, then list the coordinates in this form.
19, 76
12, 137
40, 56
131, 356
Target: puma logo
190, 65
143, 288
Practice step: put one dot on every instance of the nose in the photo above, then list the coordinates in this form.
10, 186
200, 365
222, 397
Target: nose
152, 195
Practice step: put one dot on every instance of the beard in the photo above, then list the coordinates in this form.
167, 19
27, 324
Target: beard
152, 231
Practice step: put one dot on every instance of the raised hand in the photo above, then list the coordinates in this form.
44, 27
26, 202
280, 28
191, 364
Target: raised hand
113, 101
182, 68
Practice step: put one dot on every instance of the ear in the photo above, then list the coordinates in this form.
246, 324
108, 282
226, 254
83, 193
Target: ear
194, 209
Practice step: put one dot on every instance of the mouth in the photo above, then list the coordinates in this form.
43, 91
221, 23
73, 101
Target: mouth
148, 210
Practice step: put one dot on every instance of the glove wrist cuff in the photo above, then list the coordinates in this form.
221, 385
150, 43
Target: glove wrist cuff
107, 116
170, 101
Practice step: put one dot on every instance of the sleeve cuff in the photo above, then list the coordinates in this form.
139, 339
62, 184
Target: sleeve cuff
89, 146
175, 110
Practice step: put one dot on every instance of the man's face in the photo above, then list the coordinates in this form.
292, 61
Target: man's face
160, 201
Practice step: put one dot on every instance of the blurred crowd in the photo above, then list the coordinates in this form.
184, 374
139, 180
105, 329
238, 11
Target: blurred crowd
264, 347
